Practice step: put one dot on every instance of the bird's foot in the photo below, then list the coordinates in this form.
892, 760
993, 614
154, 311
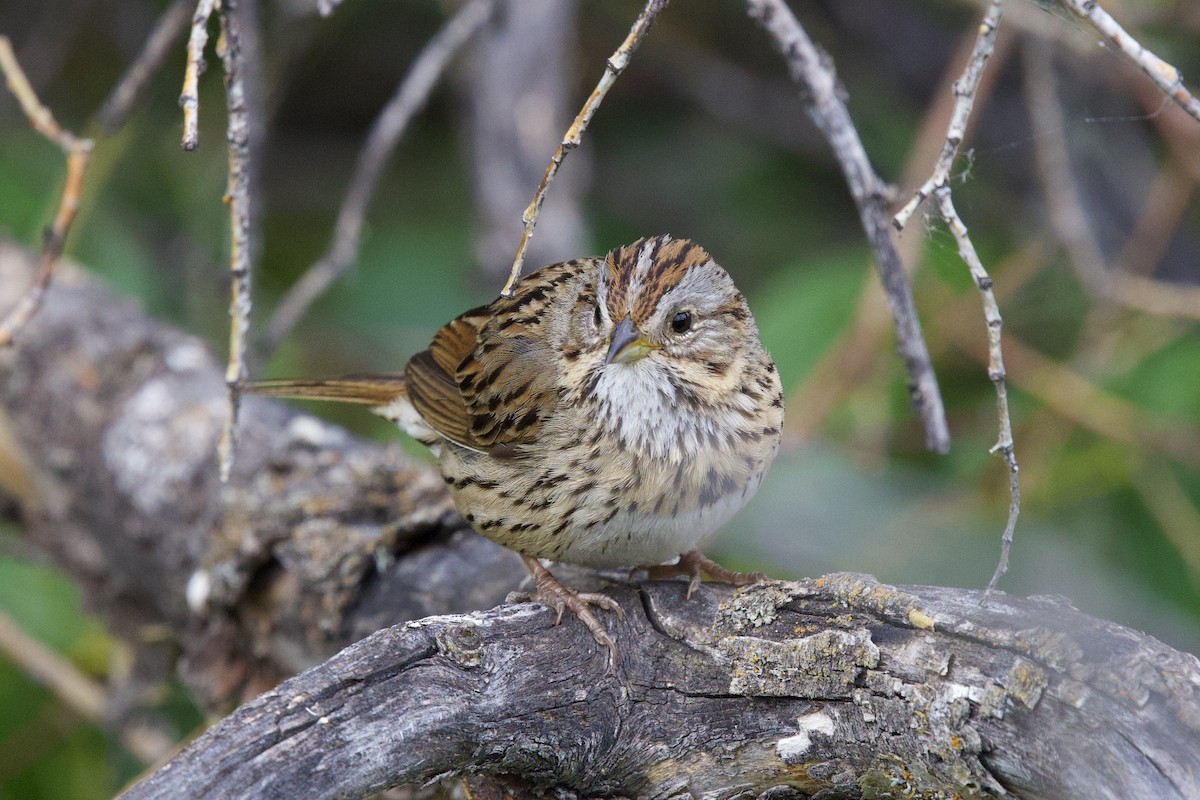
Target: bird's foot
549, 592
694, 565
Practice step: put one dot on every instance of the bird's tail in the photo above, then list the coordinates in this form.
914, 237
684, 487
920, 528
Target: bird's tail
377, 391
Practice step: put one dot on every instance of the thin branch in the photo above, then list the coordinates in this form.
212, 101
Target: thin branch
189, 98
938, 185
1078, 399
78, 152
964, 94
813, 70
385, 135
850, 360
613, 68
238, 198
128, 91
991, 314
1164, 76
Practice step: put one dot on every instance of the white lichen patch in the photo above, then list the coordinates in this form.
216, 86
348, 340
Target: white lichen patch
756, 605
791, 749
188, 356
198, 591
312, 432
151, 448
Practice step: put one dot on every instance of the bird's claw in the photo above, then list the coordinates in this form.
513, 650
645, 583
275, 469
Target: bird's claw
694, 565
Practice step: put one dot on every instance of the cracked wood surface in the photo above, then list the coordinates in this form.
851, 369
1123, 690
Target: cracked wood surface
837, 687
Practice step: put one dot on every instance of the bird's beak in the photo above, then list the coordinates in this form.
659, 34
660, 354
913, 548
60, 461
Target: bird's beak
627, 345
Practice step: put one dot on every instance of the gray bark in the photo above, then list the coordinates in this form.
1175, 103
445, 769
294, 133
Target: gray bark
837, 687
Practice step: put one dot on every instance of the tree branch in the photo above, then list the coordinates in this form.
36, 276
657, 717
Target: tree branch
835, 685
813, 71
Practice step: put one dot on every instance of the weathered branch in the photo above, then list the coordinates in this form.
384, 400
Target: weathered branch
813, 71
838, 685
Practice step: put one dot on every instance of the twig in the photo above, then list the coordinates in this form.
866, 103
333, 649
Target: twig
189, 98
1078, 399
82, 694
813, 71
964, 93
851, 359
1065, 209
1165, 76
991, 314
78, 152
385, 134
124, 96
938, 185
238, 198
571, 139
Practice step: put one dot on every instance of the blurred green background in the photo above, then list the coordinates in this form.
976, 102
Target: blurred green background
703, 137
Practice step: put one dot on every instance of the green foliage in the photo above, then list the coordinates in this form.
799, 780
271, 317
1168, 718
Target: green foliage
806, 305
48, 750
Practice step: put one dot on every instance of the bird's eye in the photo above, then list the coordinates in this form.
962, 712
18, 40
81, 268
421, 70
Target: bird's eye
596, 315
681, 322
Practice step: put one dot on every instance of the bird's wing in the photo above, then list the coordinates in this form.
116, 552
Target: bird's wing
488, 380
430, 381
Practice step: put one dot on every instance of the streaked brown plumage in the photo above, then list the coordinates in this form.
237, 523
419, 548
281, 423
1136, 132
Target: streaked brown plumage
613, 412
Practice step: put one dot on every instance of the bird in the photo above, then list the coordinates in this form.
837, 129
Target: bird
611, 411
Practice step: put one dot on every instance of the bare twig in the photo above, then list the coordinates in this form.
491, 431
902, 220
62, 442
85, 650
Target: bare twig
571, 139
189, 98
1077, 398
238, 198
125, 94
991, 314
78, 152
82, 694
1165, 76
385, 134
851, 359
964, 93
813, 71
938, 185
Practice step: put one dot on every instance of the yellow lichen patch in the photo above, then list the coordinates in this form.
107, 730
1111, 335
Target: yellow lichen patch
919, 619
1025, 682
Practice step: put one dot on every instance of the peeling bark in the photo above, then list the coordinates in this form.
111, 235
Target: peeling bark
837, 687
